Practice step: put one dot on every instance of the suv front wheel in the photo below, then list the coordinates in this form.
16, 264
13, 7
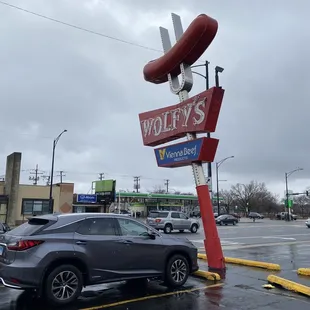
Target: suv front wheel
177, 271
194, 228
63, 285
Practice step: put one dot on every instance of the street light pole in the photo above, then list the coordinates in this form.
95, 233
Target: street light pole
217, 165
52, 170
287, 174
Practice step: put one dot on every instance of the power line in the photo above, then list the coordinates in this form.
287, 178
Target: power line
79, 27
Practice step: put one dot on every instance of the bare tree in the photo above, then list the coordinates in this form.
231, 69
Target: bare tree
228, 199
254, 197
158, 189
301, 205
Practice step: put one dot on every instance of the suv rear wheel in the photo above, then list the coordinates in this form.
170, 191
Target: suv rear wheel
63, 285
177, 271
168, 229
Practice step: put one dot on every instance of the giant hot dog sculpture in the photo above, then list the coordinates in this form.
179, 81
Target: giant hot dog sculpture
187, 49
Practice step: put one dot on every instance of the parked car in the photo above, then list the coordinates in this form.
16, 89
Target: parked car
284, 216
123, 212
308, 223
255, 215
58, 255
226, 219
172, 220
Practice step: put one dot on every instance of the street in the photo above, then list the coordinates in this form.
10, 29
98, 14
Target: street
287, 244
249, 234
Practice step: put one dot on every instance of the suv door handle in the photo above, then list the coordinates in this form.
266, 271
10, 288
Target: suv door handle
81, 242
125, 241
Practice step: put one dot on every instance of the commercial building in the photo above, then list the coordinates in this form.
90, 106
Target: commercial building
19, 201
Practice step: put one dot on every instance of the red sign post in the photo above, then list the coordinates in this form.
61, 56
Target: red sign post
198, 114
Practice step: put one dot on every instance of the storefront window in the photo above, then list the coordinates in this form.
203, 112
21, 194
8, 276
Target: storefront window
35, 207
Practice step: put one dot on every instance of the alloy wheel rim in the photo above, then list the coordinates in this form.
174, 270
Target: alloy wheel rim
178, 270
65, 285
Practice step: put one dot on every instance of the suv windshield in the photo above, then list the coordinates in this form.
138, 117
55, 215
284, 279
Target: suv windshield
158, 214
28, 228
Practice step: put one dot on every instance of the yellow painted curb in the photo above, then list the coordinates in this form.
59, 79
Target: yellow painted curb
289, 285
207, 275
246, 262
304, 271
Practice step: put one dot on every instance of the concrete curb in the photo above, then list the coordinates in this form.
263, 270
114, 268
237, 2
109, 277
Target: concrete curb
207, 275
289, 285
304, 271
246, 262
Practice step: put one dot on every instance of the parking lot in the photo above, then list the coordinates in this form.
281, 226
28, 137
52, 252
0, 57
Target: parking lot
285, 243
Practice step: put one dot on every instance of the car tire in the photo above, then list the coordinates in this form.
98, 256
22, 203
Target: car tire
221, 223
176, 263
68, 271
168, 229
234, 223
194, 228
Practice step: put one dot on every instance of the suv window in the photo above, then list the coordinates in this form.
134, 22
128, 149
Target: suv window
27, 229
183, 216
132, 228
175, 215
158, 214
99, 226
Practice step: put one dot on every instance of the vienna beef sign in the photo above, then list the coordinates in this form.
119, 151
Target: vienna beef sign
198, 114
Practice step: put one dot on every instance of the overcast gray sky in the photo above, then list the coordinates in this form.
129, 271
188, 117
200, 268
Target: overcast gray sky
54, 77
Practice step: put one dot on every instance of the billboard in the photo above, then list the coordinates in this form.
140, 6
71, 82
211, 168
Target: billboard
105, 191
104, 186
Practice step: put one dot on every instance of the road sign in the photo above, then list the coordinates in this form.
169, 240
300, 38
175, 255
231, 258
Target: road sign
185, 153
290, 203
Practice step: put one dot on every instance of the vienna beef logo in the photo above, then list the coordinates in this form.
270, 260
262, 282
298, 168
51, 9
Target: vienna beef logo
196, 114
162, 154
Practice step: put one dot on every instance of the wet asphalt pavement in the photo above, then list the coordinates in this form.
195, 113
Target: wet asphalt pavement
287, 244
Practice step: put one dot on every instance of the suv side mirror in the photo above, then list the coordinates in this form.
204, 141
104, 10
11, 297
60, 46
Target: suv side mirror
152, 235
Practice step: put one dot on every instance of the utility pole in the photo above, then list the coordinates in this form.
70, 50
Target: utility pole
36, 174
167, 185
101, 176
136, 182
61, 175
47, 178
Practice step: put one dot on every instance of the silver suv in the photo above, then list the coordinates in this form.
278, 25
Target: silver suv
172, 220
58, 255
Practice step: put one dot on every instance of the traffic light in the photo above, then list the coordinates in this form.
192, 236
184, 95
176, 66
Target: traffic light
307, 193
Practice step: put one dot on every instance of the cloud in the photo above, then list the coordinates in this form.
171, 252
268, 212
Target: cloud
55, 77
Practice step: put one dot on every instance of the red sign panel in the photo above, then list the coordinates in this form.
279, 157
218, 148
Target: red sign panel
198, 114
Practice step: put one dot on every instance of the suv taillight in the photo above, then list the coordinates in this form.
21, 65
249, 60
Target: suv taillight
157, 220
24, 245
